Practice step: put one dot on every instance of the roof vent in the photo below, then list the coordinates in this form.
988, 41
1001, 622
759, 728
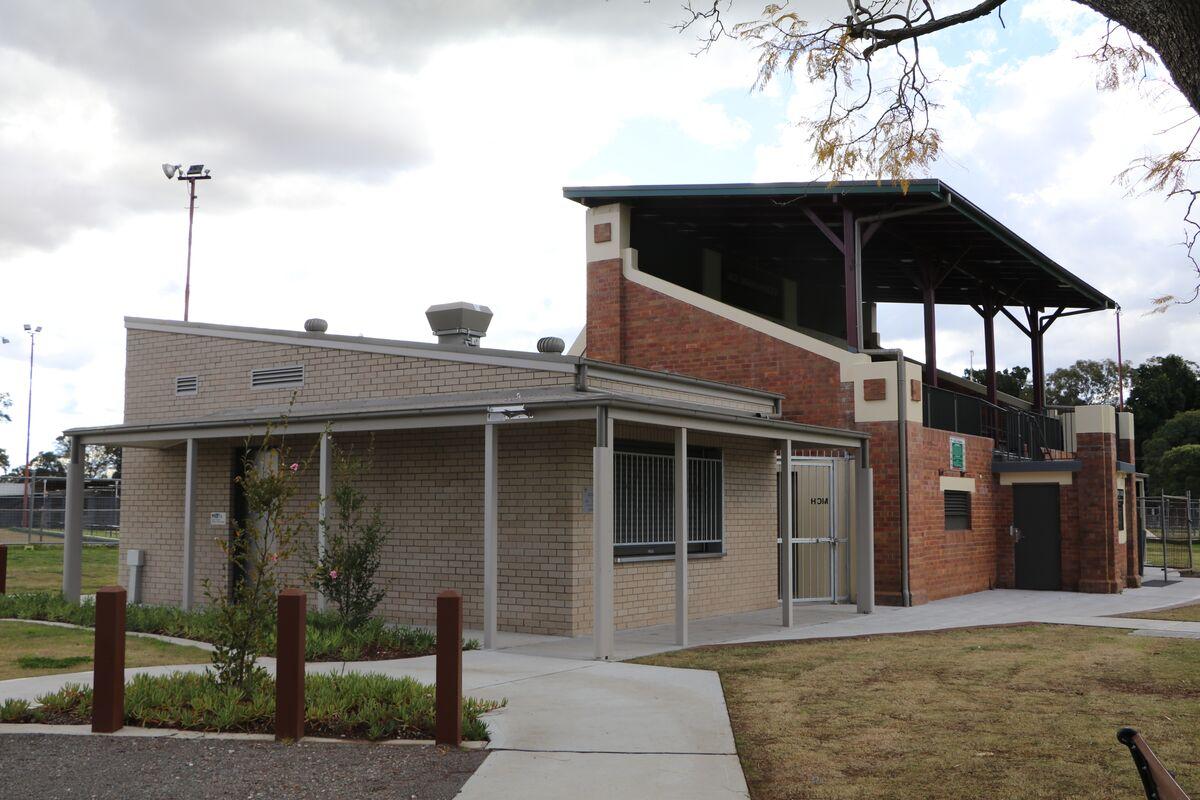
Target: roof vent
316, 325
187, 384
277, 377
459, 323
551, 344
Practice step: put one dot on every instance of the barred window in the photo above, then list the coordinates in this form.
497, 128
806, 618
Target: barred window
644, 501
1120, 509
958, 510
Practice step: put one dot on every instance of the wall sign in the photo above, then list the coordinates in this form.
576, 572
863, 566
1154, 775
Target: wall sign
958, 453
217, 519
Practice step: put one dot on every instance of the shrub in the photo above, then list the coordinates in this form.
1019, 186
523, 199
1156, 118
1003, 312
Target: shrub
345, 571
352, 705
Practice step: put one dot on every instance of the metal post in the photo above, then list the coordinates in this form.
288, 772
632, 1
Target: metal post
108, 679
1120, 367
324, 492
787, 568
189, 523
289, 666
1162, 523
187, 282
1188, 513
602, 537
73, 525
490, 536
3, 568
850, 273
448, 689
682, 528
28, 429
927, 298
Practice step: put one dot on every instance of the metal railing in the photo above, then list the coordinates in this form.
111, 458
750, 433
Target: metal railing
1017, 433
644, 506
45, 518
1171, 531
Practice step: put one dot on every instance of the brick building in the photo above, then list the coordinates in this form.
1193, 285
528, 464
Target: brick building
775, 286
488, 467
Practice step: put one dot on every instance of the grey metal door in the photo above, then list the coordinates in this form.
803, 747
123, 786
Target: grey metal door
819, 542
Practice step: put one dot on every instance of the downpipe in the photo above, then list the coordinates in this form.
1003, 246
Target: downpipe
901, 462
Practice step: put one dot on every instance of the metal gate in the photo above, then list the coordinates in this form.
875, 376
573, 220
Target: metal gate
821, 529
1169, 524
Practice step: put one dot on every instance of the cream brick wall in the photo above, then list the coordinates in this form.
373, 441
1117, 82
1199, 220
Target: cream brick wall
154, 359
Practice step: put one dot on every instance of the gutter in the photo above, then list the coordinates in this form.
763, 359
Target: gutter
902, 465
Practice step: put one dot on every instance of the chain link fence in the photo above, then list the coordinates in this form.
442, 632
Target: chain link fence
41, 515
1171, 536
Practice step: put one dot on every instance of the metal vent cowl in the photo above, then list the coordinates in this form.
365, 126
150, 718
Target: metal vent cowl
459, 323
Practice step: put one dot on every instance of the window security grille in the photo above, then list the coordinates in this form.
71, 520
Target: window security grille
277, 377
187, 384
1120, 509
958, 510
644, 502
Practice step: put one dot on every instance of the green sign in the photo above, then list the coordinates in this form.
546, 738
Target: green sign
958, 453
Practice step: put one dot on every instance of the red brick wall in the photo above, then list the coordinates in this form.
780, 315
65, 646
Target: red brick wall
946, 563
631, 324
886, 470
1133, 567
1101, 558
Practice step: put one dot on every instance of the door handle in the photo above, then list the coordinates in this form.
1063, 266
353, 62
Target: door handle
1014, 532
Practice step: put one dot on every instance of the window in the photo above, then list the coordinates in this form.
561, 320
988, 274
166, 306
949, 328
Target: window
644, 504
187, 385
1120, 509
958, 510
277, 377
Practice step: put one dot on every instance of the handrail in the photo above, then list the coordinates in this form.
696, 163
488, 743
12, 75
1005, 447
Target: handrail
1016, 432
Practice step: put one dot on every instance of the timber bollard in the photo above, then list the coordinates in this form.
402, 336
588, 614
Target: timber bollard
289, 666
108, 678
448, 694
3, 567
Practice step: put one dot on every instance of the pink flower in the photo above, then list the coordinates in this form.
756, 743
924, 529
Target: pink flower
295, 467
274, 557
333, 573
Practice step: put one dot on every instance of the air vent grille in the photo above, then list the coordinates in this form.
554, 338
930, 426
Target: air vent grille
277, 377
187, 384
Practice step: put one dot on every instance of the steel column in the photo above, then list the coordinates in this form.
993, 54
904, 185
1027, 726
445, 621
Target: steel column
786, 558
602, 537
490, 536
189, 523
989, 350
73, 525
850, 274
927, 298
682, 527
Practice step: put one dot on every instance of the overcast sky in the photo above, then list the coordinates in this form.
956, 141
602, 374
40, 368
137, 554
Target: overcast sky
372, 158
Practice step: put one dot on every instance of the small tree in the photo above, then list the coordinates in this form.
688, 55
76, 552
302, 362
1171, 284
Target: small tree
345, 572
264, 538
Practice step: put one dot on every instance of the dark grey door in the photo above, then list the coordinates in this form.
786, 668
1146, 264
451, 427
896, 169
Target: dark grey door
1039, 540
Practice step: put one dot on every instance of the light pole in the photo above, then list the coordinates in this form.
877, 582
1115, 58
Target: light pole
196, 172
33, 332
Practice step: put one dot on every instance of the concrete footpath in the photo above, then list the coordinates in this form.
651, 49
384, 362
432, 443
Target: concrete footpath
583, 729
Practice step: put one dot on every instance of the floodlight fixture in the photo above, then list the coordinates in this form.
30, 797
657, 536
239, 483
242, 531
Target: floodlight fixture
195, 172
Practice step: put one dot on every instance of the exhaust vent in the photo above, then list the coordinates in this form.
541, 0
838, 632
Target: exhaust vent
187, 384
551, 344
459, 323
277, 377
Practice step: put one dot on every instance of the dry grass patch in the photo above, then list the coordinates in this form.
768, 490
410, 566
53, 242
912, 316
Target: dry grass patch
1188, 613
28, 649
1016, 712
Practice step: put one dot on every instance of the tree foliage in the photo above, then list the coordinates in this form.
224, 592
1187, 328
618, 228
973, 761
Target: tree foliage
1012, 381
1162, 387
1178, 471
1181, 430
1087, 383
877, 118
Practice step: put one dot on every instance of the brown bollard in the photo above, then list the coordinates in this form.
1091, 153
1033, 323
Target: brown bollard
108, 681
289, 666
448, 695
3, 567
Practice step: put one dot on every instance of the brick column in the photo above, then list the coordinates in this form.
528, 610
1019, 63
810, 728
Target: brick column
1101, 558
604, 296
1127, 452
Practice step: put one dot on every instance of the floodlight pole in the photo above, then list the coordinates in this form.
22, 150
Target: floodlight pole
27, 496
187, 281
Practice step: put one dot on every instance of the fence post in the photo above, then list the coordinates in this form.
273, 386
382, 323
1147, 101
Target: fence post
108, 679
1162, 521
448, 694
3, 568
289, 666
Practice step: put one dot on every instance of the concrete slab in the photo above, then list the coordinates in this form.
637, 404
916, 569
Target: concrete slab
606, 776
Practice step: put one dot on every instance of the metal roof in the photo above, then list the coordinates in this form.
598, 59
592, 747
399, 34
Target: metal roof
984, 257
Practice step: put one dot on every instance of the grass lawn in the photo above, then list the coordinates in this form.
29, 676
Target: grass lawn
1017, 712
40, 569
27, 649
1188, 613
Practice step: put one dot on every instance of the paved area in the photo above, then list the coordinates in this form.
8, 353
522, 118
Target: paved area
579, 728
42, 767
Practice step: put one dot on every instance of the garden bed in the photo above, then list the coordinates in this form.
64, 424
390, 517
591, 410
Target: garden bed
326, 638
349, 705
